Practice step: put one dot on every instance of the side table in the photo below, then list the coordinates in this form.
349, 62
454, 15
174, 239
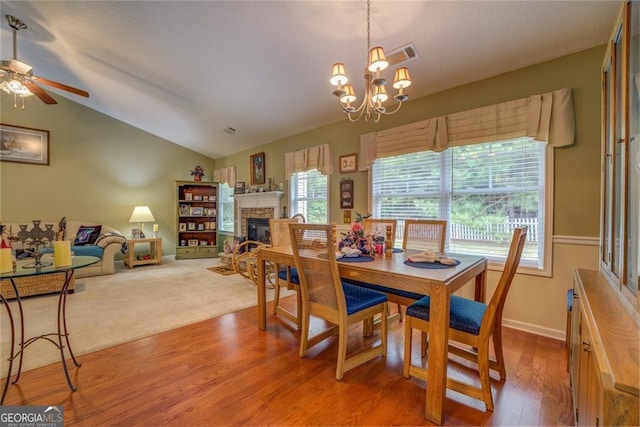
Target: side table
56, 338
155, 249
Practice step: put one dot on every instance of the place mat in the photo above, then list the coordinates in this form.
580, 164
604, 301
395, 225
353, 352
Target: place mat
431, 265
356, 259
397, 250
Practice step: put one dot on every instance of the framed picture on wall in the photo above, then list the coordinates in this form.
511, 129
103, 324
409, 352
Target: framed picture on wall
24, 145
346, 194
257, 169
348, 163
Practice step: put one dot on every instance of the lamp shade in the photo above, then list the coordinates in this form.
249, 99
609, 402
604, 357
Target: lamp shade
379, 94
377, 59
338, 75
401, 78
141, 214
349, 95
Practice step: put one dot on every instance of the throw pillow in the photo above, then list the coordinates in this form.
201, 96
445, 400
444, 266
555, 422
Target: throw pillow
87, 235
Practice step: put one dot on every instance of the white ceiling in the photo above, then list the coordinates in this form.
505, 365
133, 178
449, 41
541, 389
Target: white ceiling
186, 70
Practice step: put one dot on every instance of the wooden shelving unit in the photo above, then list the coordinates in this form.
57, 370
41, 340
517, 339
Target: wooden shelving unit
196, 219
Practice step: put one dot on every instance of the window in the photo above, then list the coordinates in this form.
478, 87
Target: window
225, 208
483, 190
308, 196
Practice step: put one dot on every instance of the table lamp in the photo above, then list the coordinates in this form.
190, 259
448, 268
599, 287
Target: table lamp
141, 214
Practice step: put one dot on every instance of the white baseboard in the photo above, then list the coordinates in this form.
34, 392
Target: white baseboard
555, 334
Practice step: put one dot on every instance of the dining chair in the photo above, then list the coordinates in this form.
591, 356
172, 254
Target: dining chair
326, 296
424, 234
379, 226
286, 276
471, 323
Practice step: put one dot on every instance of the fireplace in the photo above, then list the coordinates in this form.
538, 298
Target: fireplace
264, 205
258, 230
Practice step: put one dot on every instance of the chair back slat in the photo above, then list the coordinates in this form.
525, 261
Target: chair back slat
495, 307
425, 234
315, 259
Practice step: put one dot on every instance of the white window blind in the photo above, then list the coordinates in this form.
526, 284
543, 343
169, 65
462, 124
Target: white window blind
308, 196
484, 191
225, 208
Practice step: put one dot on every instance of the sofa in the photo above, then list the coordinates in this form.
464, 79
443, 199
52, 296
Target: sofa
86, 237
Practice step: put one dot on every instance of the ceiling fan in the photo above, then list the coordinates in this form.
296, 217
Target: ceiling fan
17, 78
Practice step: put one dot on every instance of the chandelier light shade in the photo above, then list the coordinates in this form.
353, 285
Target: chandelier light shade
372, 106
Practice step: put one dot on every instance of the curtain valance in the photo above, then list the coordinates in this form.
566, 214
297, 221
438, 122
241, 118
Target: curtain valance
547, 117
225, 176
318, 157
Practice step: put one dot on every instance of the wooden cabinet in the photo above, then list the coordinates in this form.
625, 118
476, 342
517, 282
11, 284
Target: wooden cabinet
196, 219
620, 188
605, 346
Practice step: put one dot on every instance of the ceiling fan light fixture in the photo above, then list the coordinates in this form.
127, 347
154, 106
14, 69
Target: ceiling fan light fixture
15, 87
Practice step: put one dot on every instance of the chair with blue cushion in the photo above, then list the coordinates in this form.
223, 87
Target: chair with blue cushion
326, 296
286, 276
471, 323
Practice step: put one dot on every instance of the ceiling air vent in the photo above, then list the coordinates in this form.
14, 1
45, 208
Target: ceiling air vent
402, 54
230, 130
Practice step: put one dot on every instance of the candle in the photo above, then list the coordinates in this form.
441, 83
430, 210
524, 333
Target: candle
62, 253
6, 260
155, 228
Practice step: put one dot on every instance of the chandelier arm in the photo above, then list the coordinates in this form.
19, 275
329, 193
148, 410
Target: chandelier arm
394, 111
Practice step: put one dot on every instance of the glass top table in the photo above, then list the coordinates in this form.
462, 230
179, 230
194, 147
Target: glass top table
23, 270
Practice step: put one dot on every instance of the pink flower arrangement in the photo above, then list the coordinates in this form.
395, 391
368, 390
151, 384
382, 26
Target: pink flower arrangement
356, 238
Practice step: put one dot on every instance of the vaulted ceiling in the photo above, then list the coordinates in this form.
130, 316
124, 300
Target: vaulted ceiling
186, 70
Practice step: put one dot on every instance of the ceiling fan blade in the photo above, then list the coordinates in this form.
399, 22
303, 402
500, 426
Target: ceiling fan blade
20, 67
40, 93
61, 86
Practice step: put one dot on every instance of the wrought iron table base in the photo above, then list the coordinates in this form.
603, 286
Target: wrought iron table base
62, 332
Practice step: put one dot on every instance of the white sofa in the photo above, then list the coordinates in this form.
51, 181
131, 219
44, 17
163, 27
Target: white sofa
110, 241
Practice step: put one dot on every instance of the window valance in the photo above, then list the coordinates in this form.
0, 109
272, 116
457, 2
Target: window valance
225, 176
547, 117
318, 157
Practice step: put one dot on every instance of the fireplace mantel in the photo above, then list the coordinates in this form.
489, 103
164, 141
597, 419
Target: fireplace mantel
265, 200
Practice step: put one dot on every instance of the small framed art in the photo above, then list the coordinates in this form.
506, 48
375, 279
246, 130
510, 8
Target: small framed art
196, 211
348, 163
239, 188
346, 194
182, 226
192, 242
257, 169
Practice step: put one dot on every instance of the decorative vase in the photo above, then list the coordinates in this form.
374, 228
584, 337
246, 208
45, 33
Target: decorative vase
197, 177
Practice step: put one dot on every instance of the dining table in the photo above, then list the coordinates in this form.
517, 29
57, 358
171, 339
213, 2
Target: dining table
394, 272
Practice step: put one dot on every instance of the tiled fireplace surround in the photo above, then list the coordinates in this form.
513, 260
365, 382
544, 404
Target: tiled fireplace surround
256, 205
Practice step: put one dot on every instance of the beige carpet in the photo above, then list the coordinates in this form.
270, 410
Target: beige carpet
109, 310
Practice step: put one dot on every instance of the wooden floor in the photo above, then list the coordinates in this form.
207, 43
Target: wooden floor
224, 371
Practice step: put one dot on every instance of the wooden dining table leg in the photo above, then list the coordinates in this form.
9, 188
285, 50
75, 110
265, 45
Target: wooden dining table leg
437, 362
262, 294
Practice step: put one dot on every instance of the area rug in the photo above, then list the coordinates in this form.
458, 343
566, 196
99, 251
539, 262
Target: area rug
133, 303
224, 269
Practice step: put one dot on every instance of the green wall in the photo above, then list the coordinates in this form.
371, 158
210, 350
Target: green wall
577, 167
100, 168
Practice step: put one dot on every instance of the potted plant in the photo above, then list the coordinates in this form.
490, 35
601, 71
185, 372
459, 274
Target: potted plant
197, 173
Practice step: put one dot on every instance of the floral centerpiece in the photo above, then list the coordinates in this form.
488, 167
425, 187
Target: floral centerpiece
197, 173
356, 238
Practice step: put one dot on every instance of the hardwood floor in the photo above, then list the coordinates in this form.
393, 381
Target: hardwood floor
224, 371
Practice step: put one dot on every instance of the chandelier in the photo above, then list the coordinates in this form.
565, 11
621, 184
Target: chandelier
375, 93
